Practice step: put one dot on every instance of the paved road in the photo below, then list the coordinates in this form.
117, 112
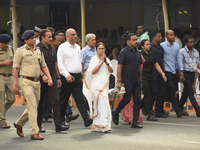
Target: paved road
166, 134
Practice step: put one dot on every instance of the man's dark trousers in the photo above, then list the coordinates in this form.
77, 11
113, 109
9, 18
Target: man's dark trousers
135, 89
54, 100
188, 91
76, 89
169, 92
158, 88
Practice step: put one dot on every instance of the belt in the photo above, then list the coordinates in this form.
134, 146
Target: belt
75, 74
31, 78
189, 72
6, 75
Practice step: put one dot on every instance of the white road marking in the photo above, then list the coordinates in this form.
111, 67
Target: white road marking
194, 142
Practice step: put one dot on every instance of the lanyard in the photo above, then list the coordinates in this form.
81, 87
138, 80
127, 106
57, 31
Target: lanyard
189, 53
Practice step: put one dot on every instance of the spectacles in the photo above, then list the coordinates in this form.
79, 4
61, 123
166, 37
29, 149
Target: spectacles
74, 34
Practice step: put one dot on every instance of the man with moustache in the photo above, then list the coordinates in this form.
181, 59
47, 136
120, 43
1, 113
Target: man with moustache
88, 52
29, 59
6, 79
51, 61
69, 63
46, 104
141, 35
171, 56
129, 73
190, 59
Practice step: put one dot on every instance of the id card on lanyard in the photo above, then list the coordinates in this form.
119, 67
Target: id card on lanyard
194, 66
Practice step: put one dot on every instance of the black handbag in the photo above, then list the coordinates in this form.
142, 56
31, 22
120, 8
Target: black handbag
111, 81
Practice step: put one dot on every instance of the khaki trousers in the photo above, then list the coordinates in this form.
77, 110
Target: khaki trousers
31, 91
6, 87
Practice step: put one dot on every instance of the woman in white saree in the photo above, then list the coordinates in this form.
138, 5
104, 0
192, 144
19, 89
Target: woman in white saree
95, 89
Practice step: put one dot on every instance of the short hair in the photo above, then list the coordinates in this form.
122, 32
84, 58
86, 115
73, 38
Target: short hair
88, 36
100, 43
155, 32
140, 25
105, 30
117, 46
54, 36
143, 42
121, 28
51, 29
187, 37
127, 37
61, 31
114, 31
98, 32
195, 29
43, 32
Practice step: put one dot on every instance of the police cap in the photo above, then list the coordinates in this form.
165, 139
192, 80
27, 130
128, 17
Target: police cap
4, 38
27, 34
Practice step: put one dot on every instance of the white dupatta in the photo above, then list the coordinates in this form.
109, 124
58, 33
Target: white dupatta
94, 84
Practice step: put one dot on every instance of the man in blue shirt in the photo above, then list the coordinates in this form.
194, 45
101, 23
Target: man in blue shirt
158, 82
171, 56
88, 52
190, 58
129, 73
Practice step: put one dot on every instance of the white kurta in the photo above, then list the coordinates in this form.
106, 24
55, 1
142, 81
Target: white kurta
95, 89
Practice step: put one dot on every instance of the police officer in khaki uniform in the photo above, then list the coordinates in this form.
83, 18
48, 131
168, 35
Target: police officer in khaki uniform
29, 59
6, 79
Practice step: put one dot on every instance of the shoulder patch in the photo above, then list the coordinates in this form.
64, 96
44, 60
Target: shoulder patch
27, 47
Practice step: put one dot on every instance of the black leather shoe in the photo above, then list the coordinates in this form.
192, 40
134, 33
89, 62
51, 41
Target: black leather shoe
45, 120
50, 115
151, 118
198, 114
115, 118
186, 113
70, 117
165, 112
41, 130
180, 113
136, 125
161, 115
88, 122
62, 127
143, 112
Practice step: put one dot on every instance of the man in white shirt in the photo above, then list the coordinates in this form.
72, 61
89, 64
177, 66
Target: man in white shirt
69, 64
37, 34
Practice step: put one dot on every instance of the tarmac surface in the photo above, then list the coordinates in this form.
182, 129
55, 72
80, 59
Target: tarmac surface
166, 134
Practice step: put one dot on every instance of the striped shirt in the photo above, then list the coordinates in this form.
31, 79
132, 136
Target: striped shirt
190, 62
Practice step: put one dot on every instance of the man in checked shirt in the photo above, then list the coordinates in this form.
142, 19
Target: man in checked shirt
190, 59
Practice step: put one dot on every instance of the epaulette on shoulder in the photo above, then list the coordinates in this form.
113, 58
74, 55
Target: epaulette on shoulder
20, 47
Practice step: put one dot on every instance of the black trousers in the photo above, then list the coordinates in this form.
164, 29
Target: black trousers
134, 89
188, 91
148, 95
53, 96
158, 88
76, 89
169, 90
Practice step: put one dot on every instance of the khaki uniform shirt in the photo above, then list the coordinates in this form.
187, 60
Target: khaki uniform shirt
28, 61
6, 55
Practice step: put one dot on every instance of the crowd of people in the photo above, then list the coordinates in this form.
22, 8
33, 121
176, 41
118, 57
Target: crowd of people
52, 66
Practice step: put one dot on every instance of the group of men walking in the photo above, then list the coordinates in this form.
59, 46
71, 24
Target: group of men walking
44, 69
